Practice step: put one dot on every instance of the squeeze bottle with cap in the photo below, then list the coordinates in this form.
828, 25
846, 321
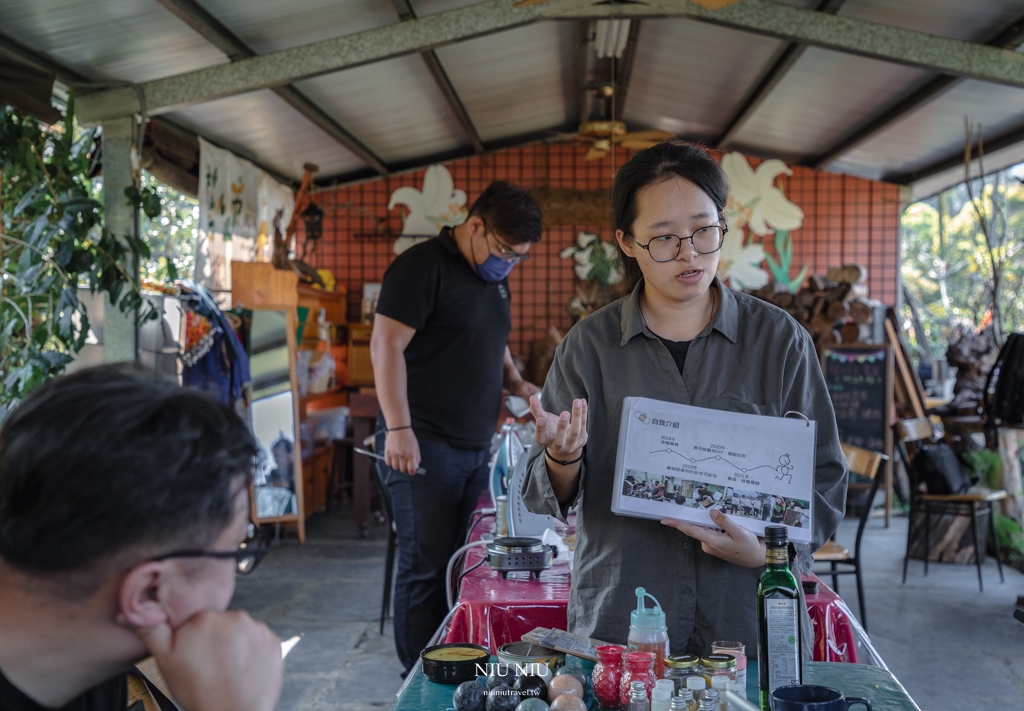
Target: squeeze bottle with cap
648, 631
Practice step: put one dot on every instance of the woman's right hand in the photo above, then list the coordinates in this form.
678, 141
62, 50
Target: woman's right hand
563, 435
402, 451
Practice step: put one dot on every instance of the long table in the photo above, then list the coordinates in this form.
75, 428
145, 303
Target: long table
875, 684
492, 611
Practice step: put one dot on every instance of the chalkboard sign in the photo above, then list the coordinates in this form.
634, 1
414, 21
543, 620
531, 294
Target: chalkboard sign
859, 380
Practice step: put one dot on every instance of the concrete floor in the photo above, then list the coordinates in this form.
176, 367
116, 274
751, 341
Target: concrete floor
951, 646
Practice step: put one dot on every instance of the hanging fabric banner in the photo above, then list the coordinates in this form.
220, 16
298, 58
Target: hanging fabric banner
237, 206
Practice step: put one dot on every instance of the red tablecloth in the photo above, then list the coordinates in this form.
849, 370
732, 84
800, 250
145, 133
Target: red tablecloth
492, 611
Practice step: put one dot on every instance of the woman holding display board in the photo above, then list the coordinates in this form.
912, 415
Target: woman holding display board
682, 336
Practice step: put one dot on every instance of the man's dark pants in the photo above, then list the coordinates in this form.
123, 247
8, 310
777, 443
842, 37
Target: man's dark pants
431, 516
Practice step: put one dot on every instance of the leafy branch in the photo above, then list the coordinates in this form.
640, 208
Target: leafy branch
51, 243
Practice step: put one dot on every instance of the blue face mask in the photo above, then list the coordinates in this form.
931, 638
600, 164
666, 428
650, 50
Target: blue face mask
494, 268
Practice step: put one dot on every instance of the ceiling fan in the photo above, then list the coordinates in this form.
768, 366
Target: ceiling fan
603, 132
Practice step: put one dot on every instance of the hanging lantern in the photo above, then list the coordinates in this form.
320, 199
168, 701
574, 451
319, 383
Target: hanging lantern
313, 220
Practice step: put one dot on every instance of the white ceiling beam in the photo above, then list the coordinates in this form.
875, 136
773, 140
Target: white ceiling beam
842, 34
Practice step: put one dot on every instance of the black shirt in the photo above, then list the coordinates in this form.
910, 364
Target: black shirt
678, 350
455, 361
111, 695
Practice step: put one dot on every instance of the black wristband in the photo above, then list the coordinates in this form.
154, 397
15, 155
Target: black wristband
395, 429
559, 461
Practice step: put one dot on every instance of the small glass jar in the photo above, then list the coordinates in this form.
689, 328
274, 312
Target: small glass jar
680, 666
738, 650
637, 666
719, 665
607, 675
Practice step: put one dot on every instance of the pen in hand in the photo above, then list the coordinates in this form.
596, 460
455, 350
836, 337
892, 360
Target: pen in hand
420, 470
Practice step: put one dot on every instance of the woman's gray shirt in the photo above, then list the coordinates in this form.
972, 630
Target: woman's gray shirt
754, 358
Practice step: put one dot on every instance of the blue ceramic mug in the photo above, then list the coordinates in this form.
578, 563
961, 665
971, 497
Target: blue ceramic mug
804, 697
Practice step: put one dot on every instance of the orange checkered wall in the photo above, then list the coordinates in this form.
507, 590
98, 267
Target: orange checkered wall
846, 219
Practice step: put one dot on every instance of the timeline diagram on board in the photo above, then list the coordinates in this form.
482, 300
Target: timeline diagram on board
679, 461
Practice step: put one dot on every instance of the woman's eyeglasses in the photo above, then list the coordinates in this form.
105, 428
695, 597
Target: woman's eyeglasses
666, 248
249, 554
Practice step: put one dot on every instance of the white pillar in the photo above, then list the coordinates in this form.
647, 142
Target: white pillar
118, 328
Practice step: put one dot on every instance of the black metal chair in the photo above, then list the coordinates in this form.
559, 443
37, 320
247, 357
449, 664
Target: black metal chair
909, 434
869, 464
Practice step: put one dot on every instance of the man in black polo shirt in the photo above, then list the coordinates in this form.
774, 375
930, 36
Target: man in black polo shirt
440, 357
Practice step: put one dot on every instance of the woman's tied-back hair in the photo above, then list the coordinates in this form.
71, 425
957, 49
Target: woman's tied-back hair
654, 165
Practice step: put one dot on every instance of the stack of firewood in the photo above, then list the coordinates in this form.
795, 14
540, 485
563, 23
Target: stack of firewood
834, 307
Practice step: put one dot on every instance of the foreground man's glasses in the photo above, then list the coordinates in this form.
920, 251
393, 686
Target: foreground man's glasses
249, 554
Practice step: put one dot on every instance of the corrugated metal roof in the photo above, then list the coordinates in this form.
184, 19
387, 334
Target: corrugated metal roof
394, 106
128, 40
537, 85
267, 127
691, 78
688, 77
822, 98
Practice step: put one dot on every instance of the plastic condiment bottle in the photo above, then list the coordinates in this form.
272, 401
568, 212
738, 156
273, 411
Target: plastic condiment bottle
661, 699
683, 701
696, 684
638, 697
720, 684
648, 631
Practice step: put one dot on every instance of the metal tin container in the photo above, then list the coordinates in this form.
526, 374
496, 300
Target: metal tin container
530, 658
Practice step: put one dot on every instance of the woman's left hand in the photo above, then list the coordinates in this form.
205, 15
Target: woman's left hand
733, 543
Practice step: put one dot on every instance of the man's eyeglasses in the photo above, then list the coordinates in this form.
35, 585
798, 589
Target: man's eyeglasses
505, 251
666, 248
249, 554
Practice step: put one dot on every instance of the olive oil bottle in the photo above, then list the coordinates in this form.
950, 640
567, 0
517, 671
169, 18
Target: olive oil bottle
778, 619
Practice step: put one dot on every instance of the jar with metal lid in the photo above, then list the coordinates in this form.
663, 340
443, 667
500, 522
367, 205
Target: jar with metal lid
718, 665
680, 666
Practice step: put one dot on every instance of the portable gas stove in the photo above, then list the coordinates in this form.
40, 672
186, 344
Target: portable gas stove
507, 555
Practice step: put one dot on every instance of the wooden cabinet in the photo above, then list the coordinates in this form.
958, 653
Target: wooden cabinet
360, 369
316, 479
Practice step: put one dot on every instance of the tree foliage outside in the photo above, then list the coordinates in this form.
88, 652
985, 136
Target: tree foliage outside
51, 242
171, 235
947, 263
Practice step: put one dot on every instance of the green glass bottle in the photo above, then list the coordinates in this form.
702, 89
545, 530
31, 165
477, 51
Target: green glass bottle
778, 618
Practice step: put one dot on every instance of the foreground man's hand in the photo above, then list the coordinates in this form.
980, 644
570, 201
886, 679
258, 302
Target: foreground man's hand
733, 543
219, 661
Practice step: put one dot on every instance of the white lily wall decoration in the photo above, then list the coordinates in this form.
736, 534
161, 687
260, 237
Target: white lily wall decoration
757, 205
438, 205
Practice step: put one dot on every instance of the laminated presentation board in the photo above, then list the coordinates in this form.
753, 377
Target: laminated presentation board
678, 461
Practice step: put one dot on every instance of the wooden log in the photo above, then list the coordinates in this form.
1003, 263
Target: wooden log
782, 299
837, 310
818, 282
850, 273
849, 333
860, 312
952, 540
765, 292
822, 324
804, 299
838, 292
807, 327
797, 313
828, 338
818, 306
857, 291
